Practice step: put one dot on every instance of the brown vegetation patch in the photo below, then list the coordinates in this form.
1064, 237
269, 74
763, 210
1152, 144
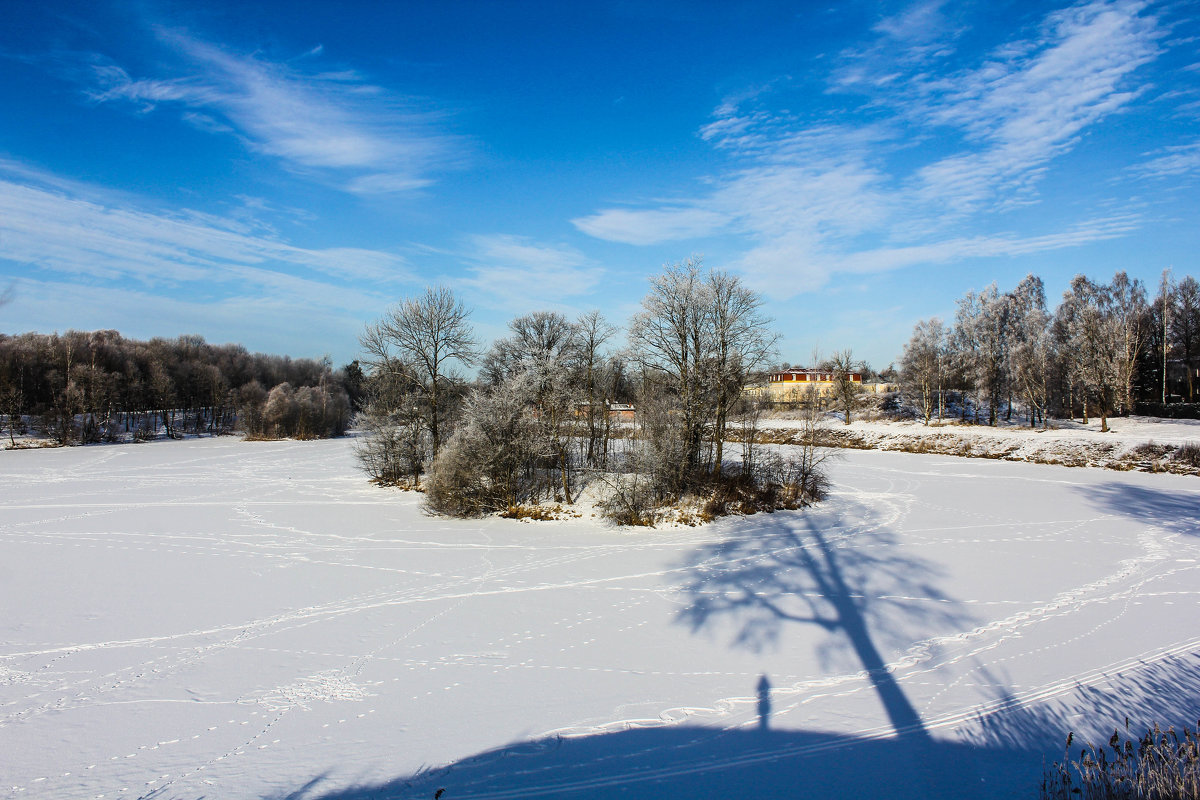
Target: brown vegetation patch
36, 444
539, 512
262, 437
1188, 455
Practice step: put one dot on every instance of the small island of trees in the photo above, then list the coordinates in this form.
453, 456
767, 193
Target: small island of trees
540, 425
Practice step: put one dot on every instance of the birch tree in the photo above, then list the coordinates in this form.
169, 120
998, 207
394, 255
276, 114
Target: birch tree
981, 334
1127, 307
923, 366
1031, 350
1093, 342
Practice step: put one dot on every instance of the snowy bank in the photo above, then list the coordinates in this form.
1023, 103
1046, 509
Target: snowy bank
1148, 444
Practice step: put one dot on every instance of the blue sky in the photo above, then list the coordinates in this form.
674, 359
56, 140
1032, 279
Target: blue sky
277, 174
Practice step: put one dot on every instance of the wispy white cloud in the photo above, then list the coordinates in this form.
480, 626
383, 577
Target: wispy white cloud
333, 124
815, 199
515, 271
920, 23
56, 226
1175, 161
788, 265
1031, 102
905, 41
652, 226
812, 183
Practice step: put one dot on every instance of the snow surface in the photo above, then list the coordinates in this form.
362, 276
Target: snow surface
227, 619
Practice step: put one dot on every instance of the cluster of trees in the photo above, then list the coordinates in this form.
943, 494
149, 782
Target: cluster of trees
1103, 349
82, 387
538, 421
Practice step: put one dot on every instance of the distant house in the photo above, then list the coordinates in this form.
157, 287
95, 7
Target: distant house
621, 411
794, 385
616, 411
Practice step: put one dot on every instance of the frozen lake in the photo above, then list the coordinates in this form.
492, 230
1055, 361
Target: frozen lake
228, 619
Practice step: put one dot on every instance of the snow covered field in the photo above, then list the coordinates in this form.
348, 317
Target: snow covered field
223, 619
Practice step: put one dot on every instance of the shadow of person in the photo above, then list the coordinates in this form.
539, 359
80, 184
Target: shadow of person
764, 703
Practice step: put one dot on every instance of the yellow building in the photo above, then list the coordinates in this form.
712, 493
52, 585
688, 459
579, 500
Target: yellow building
795, 385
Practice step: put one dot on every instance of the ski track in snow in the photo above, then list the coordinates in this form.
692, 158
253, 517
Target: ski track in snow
335, 622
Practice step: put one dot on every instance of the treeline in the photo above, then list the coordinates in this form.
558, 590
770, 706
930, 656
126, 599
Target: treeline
96, 386
541, 421
1103, 350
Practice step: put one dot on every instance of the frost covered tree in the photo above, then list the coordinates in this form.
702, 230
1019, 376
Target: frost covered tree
486, 464
535, 383
1031, 350
1161, 314
395, 444
1127, 306
981, 339
923, 367
1093, 343
593, 332
542, 354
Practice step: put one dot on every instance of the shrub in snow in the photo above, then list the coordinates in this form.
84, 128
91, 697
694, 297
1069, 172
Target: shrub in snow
487, 464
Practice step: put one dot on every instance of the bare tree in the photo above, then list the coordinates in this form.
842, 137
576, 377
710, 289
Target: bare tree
396, 444
11, 401
670, 339
699, 336
424, 337
742, 342
593, 331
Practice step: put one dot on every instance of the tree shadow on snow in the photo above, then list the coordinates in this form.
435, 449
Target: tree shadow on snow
1178, 512
842, 573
